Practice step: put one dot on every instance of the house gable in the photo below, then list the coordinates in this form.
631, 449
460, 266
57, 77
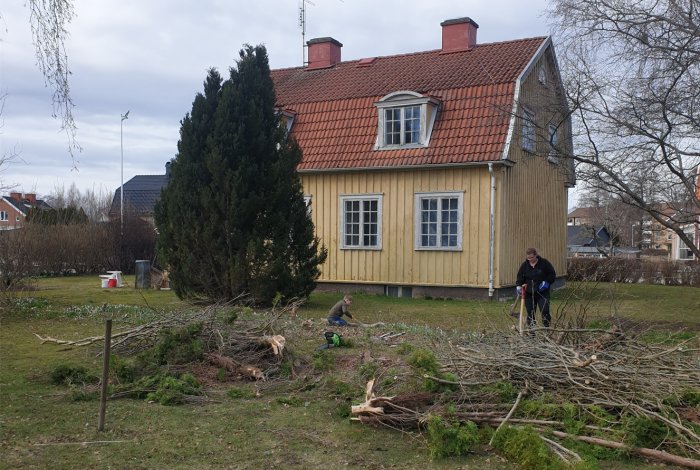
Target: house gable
15, 207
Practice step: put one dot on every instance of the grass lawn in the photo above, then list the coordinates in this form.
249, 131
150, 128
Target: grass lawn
295, 423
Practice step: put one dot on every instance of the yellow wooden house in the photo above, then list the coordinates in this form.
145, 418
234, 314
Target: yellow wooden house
431, 173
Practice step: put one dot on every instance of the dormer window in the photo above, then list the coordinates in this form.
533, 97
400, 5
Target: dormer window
286, 118
406, 120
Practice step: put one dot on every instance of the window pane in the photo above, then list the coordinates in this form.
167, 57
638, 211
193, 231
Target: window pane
429, 221
449, 218
392, 126
411, 124
528, 130
352, 223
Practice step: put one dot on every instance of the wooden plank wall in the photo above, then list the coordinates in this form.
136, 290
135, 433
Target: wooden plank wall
398, 262
534, 203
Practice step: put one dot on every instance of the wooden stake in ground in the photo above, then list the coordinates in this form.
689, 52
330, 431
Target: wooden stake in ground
105, 375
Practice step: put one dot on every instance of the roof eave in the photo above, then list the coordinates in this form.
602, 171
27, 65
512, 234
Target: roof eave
404, 167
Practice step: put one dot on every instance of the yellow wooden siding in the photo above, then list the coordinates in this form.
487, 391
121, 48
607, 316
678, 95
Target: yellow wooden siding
398, 262
534, 202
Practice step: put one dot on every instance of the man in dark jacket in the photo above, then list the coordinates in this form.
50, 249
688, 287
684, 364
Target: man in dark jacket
536, 275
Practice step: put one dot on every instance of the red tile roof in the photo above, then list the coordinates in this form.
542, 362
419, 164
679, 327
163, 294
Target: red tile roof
336, 120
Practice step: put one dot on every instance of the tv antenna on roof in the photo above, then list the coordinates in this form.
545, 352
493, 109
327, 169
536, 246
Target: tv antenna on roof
302, 25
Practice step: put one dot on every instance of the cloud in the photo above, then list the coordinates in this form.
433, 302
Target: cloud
152, 57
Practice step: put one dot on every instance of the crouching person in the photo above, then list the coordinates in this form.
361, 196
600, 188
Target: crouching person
340, 309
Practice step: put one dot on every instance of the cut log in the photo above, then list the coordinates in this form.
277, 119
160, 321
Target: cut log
366, 408
232, 366
275, 342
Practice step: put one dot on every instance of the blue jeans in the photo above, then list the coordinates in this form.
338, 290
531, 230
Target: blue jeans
337, 321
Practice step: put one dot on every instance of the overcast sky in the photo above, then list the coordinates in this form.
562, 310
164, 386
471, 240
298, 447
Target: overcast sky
151, 57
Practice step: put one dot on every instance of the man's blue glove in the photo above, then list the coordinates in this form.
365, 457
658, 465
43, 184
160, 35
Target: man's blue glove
544, 285
519, 290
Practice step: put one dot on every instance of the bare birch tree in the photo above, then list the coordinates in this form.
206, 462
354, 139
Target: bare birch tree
49, 20
631, 71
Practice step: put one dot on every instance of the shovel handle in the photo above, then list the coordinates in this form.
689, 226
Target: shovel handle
523, 317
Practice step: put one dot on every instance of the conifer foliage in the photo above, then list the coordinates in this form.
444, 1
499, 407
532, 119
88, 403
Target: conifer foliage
233, 219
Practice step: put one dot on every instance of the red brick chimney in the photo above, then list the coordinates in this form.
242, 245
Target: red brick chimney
323, 53
16, 196
458, 34
31, 198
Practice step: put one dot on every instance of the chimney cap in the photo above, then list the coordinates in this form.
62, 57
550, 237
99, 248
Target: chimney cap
323, 40
465, 19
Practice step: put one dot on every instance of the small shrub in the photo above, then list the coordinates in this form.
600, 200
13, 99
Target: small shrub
72, 375
180, 346
524, 447
221, 374
447, 439
123, 370
173, 390
425, 361
645, 432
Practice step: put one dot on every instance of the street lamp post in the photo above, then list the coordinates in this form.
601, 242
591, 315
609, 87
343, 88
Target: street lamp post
121, 188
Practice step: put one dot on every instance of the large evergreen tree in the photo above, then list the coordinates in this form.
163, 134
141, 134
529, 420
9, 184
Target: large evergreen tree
233, 219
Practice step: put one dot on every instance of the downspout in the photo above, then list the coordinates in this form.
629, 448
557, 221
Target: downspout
492, 228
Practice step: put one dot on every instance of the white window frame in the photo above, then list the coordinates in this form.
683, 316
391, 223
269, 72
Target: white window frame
378, 197
553, 135
3, 216
401, 101
542, 75
683, 249
418, 234
402, 121
307, 202
527, 129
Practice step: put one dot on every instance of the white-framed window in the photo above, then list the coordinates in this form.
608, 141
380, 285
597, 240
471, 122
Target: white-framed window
438, 221
405, 120
3, 215
542, 75
528, 130
16, 218
553, 142
307, 202
684, 252
402, 125
361, 221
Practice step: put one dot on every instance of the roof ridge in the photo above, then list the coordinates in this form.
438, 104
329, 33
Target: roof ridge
417, 53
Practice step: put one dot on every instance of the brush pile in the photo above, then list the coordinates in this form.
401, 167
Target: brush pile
604, 379
229, 336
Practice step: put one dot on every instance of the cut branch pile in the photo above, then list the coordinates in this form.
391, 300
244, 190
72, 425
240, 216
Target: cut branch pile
595, 368
248, 346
